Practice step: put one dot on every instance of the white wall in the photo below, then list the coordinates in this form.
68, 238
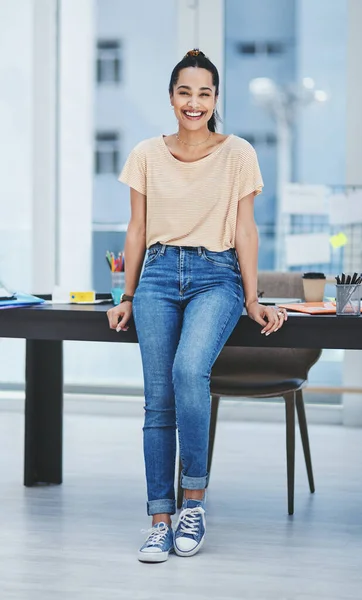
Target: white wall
353, 359
44, 142
46, 151
75, 150
16, 165
16, 176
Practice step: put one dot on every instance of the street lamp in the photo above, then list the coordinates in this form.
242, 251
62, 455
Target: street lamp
282, 103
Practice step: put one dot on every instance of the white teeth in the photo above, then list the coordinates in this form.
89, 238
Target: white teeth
193, 114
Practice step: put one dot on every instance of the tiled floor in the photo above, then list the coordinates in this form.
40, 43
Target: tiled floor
78, 541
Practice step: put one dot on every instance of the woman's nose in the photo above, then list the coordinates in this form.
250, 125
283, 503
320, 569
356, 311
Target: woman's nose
193, 102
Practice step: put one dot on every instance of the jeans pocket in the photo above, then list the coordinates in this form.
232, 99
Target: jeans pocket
152, 254
226, 259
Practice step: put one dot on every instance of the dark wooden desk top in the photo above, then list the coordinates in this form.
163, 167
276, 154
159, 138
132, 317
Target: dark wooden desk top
89, 323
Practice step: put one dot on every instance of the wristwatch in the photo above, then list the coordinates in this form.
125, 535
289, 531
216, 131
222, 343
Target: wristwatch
125, 298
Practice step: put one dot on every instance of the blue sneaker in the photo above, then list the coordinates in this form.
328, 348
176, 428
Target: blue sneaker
158, 544
190, 528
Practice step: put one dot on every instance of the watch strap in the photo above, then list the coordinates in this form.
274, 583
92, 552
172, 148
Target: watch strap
126, 297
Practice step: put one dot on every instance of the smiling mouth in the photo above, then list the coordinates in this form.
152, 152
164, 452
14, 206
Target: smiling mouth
193, 115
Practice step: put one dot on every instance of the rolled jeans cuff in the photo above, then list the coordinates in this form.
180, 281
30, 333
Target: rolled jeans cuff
194, 483
156, 507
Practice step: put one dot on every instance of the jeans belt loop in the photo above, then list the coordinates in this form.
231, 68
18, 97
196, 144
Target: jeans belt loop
163, 249
199, 250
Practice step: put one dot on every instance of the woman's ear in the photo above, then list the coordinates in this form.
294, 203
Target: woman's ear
171, 100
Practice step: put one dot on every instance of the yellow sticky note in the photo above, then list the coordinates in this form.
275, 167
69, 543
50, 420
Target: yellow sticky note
82, 296
338, 240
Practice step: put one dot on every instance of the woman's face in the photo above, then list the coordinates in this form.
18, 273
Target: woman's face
194, 98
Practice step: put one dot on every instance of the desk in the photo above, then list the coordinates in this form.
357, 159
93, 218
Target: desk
46, 326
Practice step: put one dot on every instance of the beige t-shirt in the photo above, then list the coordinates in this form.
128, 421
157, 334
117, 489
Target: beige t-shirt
193, 203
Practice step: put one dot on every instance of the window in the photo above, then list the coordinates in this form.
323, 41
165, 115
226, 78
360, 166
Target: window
247, 48
267, 139
274, 47
107, 155
268, 47
109, 61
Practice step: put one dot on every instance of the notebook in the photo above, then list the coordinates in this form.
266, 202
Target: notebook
20, 300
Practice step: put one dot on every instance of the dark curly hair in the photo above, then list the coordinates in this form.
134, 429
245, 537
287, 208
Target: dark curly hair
196, 58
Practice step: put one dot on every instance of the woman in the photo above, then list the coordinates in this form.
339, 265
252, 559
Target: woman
192, 205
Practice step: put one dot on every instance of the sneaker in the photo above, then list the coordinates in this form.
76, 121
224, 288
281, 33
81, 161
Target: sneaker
190, 528
158, 545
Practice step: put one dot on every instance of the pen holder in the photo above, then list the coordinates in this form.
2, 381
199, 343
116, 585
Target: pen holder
348, 300
117, 285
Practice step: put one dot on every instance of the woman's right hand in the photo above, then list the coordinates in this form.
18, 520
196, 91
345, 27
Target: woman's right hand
119, 315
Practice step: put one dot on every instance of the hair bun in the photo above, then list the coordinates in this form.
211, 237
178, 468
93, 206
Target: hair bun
194, 52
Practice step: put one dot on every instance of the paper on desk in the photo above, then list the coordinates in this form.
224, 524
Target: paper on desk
345, 209
59, 295
307, 249
299, 199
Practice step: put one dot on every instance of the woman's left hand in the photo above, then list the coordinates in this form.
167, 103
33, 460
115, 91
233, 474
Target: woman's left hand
270, 317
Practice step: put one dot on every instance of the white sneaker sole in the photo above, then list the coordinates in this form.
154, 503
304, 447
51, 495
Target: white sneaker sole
189, 552
153, 557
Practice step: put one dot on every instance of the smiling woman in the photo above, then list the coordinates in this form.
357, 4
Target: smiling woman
192, 204
194, 90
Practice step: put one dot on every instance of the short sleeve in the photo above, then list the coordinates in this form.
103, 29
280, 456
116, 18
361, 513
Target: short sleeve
250, 179
134, 170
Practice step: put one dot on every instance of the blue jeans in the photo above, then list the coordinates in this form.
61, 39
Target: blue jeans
186, 305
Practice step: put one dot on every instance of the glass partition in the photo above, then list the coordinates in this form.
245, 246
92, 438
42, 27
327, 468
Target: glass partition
131, 104
285, 92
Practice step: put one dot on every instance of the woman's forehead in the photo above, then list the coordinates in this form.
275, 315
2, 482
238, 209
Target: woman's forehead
195, 77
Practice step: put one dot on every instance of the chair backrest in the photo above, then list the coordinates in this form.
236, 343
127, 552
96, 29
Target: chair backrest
275, 284
293, 362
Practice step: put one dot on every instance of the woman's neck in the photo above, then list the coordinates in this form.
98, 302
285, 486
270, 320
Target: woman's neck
193, 138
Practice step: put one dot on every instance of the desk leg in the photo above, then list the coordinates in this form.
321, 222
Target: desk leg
43, 412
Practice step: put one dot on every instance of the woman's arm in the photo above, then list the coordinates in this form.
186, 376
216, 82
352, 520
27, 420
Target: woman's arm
135, 244
246, 244
134, 253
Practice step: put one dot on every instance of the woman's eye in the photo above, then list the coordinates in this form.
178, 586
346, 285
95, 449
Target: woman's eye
207, 95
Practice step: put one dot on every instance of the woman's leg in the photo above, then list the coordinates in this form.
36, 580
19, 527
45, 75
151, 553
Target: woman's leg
158, 322
209, 319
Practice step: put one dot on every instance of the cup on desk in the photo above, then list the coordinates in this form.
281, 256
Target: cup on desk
348, 300
313, 286
117, 285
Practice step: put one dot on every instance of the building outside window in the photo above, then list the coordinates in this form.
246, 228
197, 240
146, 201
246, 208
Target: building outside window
107, 152
270, 47
109, 62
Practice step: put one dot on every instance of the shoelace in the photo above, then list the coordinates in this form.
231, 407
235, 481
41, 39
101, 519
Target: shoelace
189, 520
157, 536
